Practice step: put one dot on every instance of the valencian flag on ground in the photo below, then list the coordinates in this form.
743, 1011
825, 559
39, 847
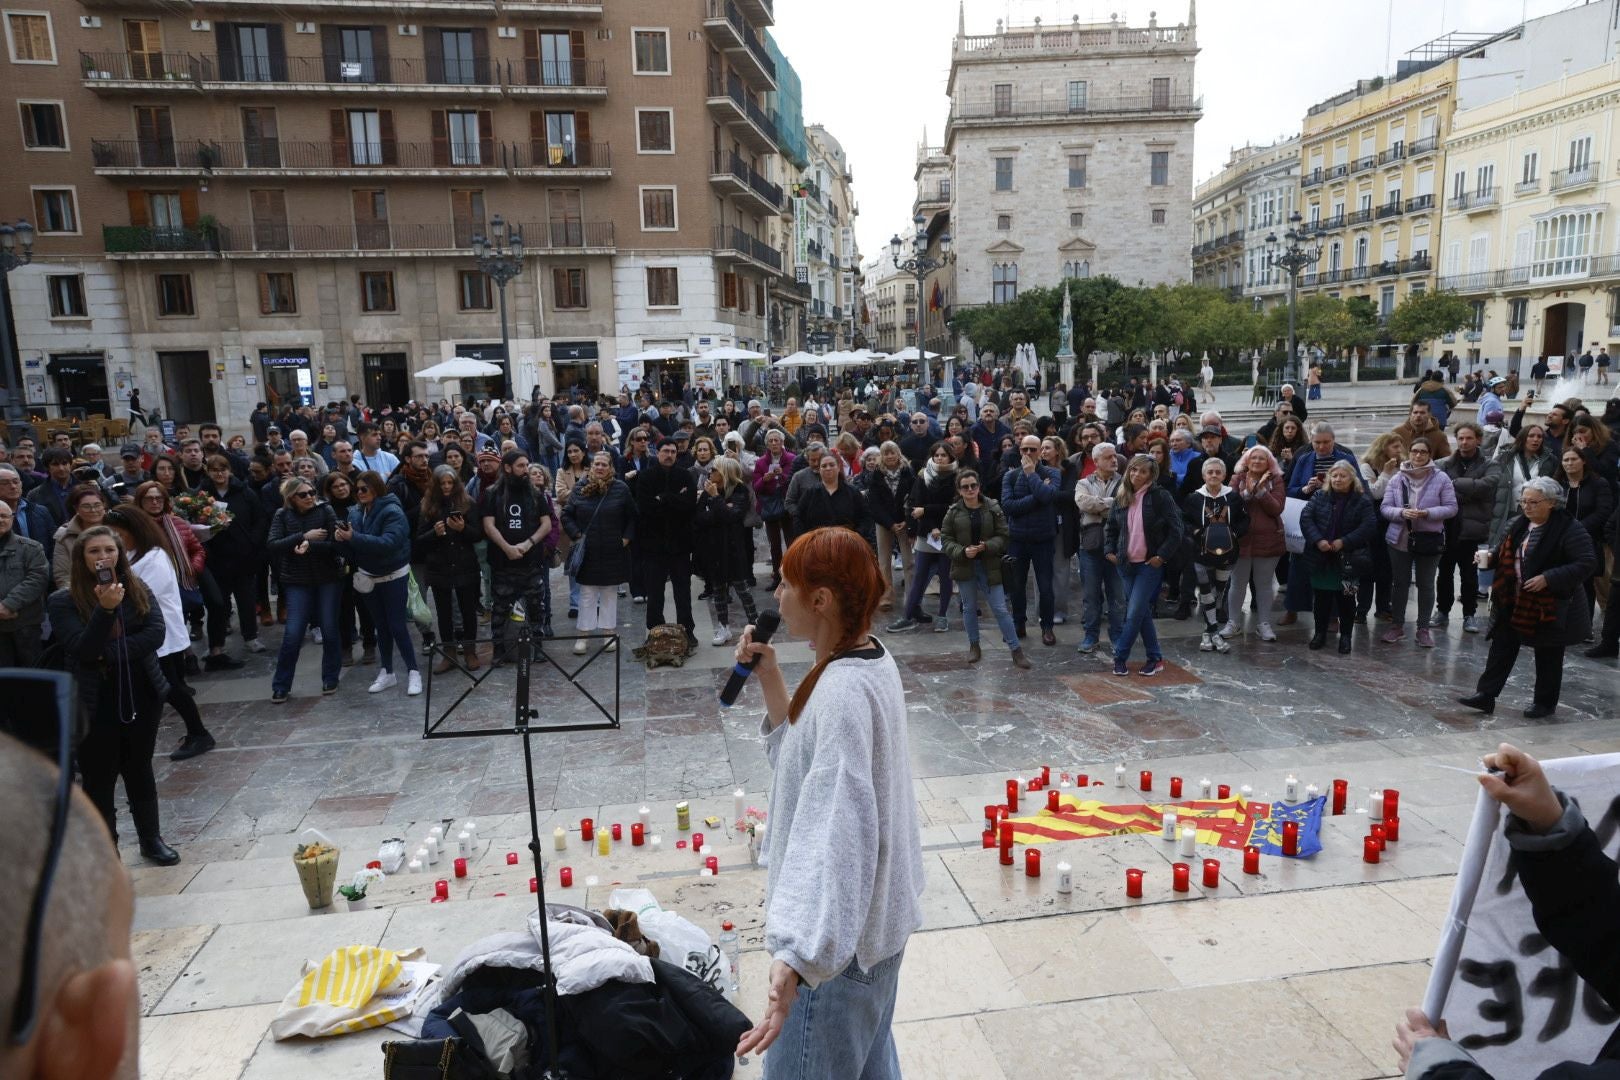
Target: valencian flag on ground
1230, 823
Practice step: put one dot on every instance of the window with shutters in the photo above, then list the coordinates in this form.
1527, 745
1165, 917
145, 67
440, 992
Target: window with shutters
270, 232
1161, 94
28, 35
650, 51
376, 290
1580, 154
1004, 174
728, 290
66, 292
742, 298
1077, 219
371, 219
1386, 301
655, 131
253, 54
1077, 170
1485, 179
154, 136
1518, 311
356, 53
475, 292
663, 287
56, 210
277, 293
658, 209
458, 60
568, 288
1003, 92
1362, 246
365, 137
556, 58
1530, 171
565, 217
562, 149
43, 125
1159, 168
1003, 283
463, 128
175, 298
1158, 215
467, 214
163, 210
261, 138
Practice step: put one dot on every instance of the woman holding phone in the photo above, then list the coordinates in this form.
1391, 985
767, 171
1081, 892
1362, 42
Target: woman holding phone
447, 533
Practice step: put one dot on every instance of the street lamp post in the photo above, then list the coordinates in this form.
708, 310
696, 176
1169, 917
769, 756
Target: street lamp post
12, 238
919, 265
501, 257
1296, 256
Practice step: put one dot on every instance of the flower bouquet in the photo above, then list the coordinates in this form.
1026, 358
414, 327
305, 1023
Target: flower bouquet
202, 513
316, 863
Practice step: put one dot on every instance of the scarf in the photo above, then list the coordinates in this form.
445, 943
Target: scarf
1529, 611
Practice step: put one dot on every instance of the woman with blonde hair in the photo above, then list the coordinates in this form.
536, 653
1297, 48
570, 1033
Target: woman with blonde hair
601, 515
1259, 481
1142, 535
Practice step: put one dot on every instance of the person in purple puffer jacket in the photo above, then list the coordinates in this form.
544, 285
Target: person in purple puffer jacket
1417, 502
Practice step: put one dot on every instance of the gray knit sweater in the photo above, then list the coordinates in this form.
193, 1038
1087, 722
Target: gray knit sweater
844, 855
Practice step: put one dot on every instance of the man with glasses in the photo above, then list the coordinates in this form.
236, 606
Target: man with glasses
914, 445
1029, 496
25, 578
31, 519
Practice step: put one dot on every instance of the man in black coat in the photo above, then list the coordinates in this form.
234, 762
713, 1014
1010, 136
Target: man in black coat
666, 500
914, 445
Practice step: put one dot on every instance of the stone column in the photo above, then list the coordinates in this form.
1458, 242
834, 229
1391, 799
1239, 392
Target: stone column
1355, 366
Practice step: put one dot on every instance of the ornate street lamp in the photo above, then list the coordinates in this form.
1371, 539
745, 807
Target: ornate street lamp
1296, 256
919, 265
501, 257
16, 249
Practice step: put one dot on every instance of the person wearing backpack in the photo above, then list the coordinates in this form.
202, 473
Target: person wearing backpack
1216, 520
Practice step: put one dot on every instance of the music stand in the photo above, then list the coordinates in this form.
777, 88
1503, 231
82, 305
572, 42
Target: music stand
523, 654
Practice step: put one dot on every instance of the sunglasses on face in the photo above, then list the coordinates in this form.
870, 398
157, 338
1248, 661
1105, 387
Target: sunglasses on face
967, 487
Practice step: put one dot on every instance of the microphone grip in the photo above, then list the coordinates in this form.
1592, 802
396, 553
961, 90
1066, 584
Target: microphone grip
764, 627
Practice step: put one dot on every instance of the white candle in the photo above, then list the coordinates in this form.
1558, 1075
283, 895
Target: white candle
592, 881
1203, 787
1119, 775
1375, 805
1189, 839
656, 842
1063, 785
1291, 788
414, 866
436, 836
559, 838
1168, 826
1247, 791
1065, 878
705, 872
471, 829
464, 844
737, 807
427, 853
1311, 792
644, 815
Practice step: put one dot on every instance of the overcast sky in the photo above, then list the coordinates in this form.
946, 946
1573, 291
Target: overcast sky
874, 71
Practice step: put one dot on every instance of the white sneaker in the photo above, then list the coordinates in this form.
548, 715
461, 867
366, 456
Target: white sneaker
317, 635
580, 646
1206, 643
722, 636
383, 681
1266, 632
413, 684
1220, 643
255, 645
1231, 630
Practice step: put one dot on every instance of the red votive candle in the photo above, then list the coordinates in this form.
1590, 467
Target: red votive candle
697, 841
1251, 860
1224, 791
1006, 855
511, 858
1012, 795
441, 889
1032, 863
534, 885
1006, 834
1341, 792
1392, 803
992, 814
587, 829
1378, 833
989, 838
681, 844
1212, 873
566, 876
638, 834
712, 863
1046, 775
1290, 838
1392, 829
618, 831
374, 864
1052, 803
1175, 787
1181, 876
1082, 781
1035, 783
1145, 780
1133, 884
461, 868
1370, 849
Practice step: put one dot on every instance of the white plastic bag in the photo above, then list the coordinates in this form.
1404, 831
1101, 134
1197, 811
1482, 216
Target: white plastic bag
680, 941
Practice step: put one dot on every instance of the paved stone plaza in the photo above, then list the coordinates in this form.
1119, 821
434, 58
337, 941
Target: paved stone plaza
1006, 974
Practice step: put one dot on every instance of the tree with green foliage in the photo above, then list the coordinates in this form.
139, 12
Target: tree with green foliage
1423, 317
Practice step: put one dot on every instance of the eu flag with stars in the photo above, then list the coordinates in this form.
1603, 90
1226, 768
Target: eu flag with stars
1267, 831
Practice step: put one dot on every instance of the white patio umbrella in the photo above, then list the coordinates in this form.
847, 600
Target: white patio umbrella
648, 355
459, 367
909, 355
800, 359
730, 352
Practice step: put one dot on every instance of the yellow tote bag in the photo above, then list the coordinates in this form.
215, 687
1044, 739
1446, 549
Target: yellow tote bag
353, 988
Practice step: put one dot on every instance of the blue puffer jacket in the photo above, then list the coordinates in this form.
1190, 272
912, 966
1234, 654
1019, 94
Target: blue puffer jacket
1030, 502
381, 542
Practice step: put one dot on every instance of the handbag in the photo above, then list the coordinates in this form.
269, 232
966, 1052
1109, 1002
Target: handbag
1091, 536
1420, 544
576, 554
773, 507
415, 605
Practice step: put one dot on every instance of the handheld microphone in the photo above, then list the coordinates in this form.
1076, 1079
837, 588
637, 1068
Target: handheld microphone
764, 627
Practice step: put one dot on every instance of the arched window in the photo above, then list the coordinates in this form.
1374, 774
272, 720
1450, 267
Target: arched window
1003, 283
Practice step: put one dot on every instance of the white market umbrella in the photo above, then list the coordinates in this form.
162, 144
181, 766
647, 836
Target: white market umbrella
649, 355
459, 367
800, 359
730, 352
910, 355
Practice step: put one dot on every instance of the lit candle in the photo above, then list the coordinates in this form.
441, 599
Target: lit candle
1369, 849
414, 866
1013, 788
1341, 792
1247, 791
1119, 775
738, 798
511, 858
656, 843
1378, 833
618, 831
638, 834
1311, 792
1224, 791
1203, 788
644, 815
1181, 876
1133, 884
1291, 788
559, 838
1392, 829
681, 844
989, 838
604, 843
1065, 874
1052, 802
1392, 803
1189, 839
1290, 838
1375, 805
471, 829
436, 835
1032, 863
534, 885
461, 868
1082, 781
712, 864
1046, 775
1251, 860
1212, 873
1006, 855
1035, 783
566, 876
683, 816
697, 841
441, 889
1145, 780
1063, 783
1167, 825
587, 829
1006, 834
992, 813
1175, 787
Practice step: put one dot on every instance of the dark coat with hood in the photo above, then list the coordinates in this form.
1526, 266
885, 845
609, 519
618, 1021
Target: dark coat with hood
323, 562
724, 544
235, 551
381, 541
605, 520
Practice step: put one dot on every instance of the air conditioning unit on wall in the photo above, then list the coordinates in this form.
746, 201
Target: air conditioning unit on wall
90, 22
201, 25
407, 30
304, 27
506, 31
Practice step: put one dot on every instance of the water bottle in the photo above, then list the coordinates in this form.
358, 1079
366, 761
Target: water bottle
730, 949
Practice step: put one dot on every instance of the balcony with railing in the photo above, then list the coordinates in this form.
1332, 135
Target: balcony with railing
818, 308
1330, 224
731, 102
1312, 177
581, 159
1420, 204
1360, 217
555, 8
1049, 106
935, 194
342, 157
1566, 180
1338, 172
837, 313
1362, 164
1392, 156
533, 77
759, 12
1475, 202
732, 242
734, 176
1527, 187
141, 72
1515, 333
814, 250
147, 240
1394, 208
730, 30
1555, 272
1422, 147
270, 239
1025, 43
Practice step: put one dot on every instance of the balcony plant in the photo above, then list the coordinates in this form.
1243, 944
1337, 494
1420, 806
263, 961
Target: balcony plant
208, 229
103, 154
207, 156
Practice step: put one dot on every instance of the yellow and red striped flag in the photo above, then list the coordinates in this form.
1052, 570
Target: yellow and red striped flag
1221, 822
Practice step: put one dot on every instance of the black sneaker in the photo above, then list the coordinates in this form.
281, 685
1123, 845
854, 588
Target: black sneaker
278, 697
191, 746
221, 662
902, 625
1151, 668
329, 688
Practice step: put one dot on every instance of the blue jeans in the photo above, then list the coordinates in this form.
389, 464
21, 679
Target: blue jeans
841, 1028
1036, 553
998, 605
1100, 581
1141, 591
926, 564
302, 602
388, 611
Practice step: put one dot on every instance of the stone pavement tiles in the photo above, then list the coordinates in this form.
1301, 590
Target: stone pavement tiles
1005, 973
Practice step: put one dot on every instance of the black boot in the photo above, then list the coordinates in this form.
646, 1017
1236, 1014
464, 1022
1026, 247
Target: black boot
1319, 638
145, 813
1344, 642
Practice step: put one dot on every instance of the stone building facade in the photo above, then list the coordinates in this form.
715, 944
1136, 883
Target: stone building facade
1233, 213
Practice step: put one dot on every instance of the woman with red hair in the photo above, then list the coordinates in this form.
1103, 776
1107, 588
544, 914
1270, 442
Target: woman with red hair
842, 794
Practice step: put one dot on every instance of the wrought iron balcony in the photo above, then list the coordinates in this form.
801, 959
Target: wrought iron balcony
1474, 202
1574, 179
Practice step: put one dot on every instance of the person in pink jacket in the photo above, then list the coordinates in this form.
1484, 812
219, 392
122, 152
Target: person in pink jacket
1258, 478
1417, 503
